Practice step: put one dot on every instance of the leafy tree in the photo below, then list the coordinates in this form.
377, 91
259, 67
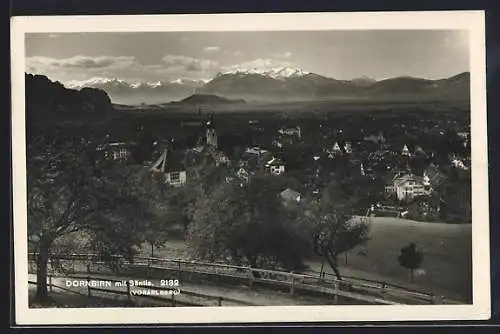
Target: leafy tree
455, 195
343, 194
411, 258
333, 233
247, 226
424, 208
157, 230
144, 147
72, 188
181, 201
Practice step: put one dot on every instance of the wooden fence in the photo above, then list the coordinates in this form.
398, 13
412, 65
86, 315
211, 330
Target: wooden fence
350, 288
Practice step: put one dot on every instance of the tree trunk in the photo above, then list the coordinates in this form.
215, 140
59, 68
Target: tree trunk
333, 264
410, 275
337, 273
152, 249
41, 271
322, 266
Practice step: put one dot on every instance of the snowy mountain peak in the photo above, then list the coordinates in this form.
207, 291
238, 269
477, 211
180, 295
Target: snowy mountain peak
146, 84
94, 82
100, 82
287, 72
281, 71
184, 81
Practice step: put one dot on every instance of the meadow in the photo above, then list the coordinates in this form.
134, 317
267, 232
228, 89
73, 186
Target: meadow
447, 249
447, 259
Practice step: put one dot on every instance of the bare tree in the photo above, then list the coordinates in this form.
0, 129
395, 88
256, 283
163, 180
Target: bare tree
334, 233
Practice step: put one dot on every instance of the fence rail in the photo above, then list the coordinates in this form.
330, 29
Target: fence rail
350, 287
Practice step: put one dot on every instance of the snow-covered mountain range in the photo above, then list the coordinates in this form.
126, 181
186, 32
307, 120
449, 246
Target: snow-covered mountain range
276, 83
99, 82
136, 92
280, 72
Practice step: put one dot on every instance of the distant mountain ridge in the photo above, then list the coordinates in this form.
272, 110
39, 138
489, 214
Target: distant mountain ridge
281, 83
207, 99
311, 86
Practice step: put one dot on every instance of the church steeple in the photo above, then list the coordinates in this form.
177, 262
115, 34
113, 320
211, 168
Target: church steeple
380, 140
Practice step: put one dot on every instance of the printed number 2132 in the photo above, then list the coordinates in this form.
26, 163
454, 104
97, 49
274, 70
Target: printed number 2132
169, 282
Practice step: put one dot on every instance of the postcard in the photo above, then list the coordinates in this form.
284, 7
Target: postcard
250, 168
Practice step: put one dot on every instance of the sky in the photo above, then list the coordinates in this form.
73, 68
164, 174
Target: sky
167, 56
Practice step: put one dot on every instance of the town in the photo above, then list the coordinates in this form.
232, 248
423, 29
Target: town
415, 167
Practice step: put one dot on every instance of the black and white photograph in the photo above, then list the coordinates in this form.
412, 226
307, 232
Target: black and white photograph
250, 168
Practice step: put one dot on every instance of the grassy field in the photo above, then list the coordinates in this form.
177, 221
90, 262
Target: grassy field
447, 252
447, 256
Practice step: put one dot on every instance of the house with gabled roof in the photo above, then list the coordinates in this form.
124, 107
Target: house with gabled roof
171, 164
221, 158
457, 163
406, 187
336, 148
405, 150
296, 131
340, 147
243, 174
255, 150
117, 150
275, 166
347, 147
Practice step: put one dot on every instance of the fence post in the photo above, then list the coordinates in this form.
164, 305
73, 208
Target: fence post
437, 299
336, 292
291, 285
88, 268
173, 299
88, 287
128, 291
179, 269
149, 267
220, 301
50, 283
250, 277
384, 286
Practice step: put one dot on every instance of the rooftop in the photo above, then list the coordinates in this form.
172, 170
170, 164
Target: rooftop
290, 195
